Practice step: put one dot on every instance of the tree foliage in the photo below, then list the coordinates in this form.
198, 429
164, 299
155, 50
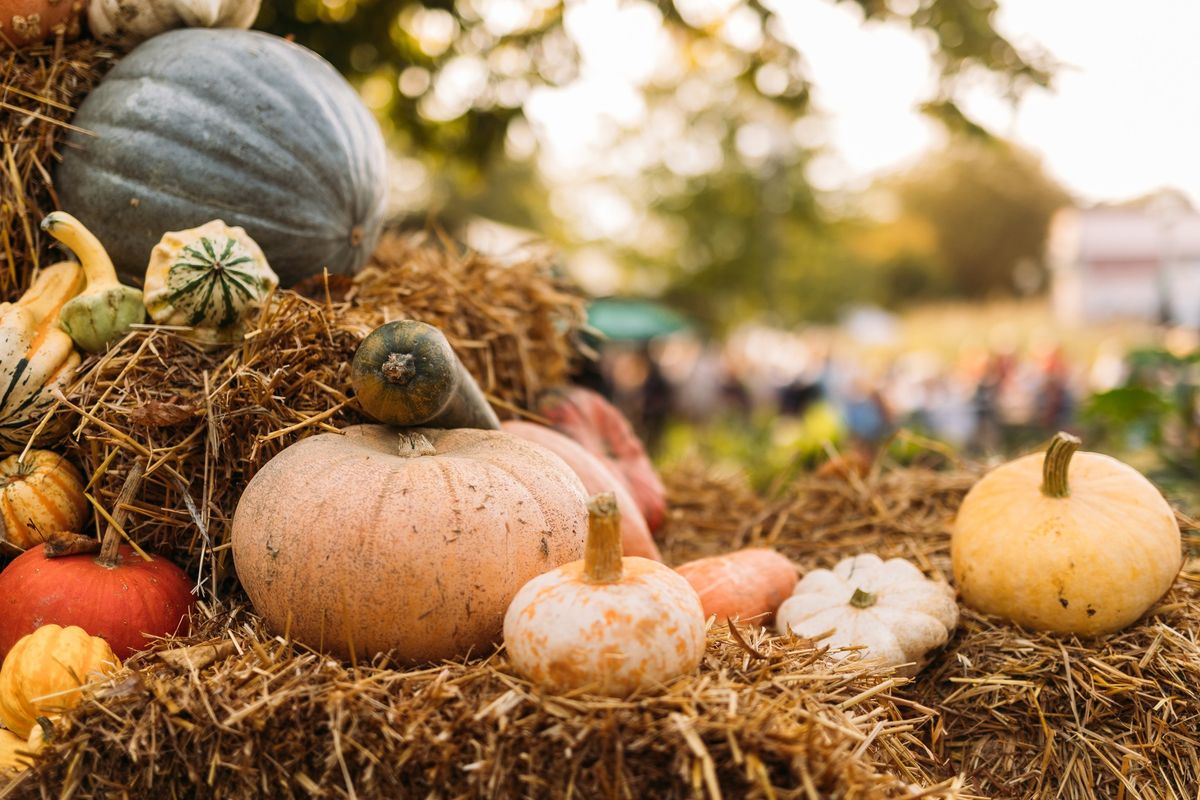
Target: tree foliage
989, 205
721, 213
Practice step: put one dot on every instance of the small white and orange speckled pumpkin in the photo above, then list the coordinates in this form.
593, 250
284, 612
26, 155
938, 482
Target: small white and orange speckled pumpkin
606, 624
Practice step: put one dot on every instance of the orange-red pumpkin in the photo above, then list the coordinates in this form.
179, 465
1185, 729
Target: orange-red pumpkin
602, 429
116, 595
25, 22
596, 478
374, 540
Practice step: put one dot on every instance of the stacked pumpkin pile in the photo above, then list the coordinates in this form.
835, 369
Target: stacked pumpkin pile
255, 425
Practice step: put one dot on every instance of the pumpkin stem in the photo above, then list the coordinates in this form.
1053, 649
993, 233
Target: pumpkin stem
110, 545
861, 599
399, 368
415, 443
1058, 463
602, 558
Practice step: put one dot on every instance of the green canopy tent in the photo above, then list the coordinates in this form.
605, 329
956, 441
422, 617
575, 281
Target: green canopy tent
633, 320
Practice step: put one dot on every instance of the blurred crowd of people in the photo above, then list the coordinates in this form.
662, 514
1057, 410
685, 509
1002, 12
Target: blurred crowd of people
982, 400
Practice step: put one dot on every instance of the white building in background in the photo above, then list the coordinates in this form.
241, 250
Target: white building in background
1138, 260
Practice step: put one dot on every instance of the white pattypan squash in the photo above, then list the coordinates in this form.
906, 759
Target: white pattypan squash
128, 22
888, 609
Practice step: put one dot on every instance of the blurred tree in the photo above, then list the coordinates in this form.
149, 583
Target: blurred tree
989, 204
691, 174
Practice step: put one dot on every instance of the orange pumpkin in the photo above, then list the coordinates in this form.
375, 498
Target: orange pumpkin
597, 478
44, 673
25, 22
39, 495
748, 585
14, 753
375, 540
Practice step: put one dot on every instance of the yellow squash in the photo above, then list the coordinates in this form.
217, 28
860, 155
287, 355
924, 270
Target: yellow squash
40, 494
1066, 542
36, 357
45, 671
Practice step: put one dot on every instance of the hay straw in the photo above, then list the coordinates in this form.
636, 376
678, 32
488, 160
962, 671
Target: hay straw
764, 718
1020, 713
39, 89
206, 420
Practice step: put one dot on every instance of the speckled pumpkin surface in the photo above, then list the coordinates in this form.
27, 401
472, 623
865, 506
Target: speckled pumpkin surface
565, 633
350, 546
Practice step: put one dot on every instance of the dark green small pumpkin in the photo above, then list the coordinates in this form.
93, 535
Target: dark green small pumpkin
405, 373
199, 124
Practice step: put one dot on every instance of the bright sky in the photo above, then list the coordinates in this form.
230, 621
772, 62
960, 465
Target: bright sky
1123, 118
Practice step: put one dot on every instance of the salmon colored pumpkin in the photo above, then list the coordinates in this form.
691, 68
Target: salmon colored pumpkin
1064, 541
606, 624
748, 585
40, 494
596, 478
117, 595
374, 540
46, 671
603, 431
24, 22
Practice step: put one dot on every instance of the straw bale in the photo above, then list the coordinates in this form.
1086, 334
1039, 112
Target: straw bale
39, 89
247, 715
1019, 713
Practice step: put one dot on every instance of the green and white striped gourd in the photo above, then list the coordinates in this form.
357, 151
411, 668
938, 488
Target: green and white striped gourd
209, 279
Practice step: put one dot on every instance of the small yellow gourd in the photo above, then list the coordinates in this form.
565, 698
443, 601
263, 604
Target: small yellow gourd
1064, 541
13, 753
36, 357
105, 310
210, 279
45, 671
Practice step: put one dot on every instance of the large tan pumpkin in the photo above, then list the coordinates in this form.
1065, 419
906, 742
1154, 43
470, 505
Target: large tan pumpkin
1088, 555
414, 542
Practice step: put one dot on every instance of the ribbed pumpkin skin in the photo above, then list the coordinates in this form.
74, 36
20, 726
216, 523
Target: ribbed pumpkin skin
50, 661
199, 124
596, 478
39, 496
340, 540
119, 604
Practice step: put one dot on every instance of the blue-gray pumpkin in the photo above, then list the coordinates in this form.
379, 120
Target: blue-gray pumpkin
243, 126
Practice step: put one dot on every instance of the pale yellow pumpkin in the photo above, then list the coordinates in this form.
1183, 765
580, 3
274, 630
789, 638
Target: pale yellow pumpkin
606, 624
46, 671
1064, 541
40, 494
